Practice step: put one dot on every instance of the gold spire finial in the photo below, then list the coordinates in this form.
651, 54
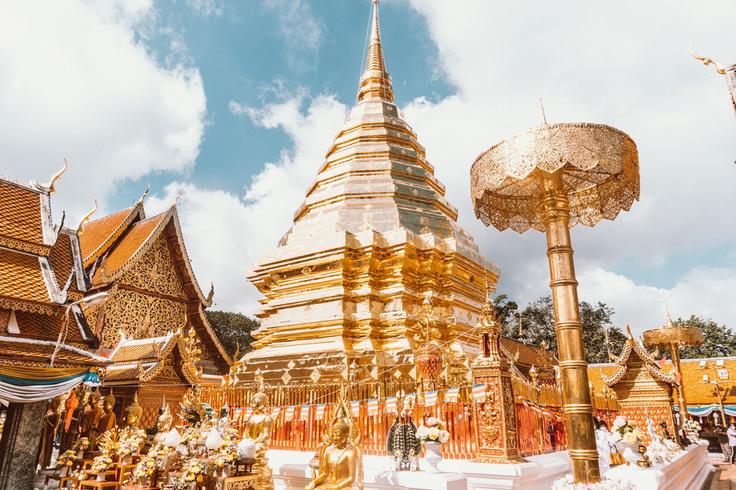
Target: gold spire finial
375, 81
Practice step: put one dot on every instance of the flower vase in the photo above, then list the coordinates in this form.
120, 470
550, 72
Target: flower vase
64, 470
433, 455
100, 477
127, 459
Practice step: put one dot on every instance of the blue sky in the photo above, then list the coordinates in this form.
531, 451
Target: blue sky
234, 104
241, 54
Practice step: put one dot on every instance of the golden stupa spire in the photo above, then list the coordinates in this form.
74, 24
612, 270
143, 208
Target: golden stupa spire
375, 81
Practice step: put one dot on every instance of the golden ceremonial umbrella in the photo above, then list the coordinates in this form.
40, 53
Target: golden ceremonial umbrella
674, 337
550, 178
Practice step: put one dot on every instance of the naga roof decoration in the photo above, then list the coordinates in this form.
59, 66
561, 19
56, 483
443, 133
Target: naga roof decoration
633, 345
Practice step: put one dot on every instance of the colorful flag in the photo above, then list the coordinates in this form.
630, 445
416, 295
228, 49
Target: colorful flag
355, 408
304, 412
430, 399
479, 393
275, 411
391, 405
372, 407
248, 413
289, 414
320, 412
452, 395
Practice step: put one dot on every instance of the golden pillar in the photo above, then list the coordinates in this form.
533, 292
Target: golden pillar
550, 178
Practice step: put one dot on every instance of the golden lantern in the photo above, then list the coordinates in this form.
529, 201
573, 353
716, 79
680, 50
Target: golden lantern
550, 178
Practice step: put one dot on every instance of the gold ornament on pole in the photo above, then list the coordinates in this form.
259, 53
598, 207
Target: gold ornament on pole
429, 355
674, 337
550, 178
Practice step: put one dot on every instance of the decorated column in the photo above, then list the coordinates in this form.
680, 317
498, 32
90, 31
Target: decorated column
495, 416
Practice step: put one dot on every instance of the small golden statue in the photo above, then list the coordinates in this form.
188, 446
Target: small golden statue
341, 462
644, 460
133, 413
258, 429
108, 419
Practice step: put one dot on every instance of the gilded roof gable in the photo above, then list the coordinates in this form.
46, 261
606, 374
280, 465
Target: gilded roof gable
99, 235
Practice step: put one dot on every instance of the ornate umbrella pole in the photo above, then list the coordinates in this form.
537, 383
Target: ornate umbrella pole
550, 178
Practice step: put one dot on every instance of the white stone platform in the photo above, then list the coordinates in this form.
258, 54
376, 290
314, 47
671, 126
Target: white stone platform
686, 472
291, 472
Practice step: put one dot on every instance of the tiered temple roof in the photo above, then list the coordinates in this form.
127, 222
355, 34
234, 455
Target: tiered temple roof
41, 278
143, 266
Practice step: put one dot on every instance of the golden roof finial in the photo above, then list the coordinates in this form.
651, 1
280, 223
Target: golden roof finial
50, 187
87, 217
375, 81
721, 69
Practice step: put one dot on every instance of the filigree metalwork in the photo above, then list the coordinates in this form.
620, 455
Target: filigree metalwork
155, 271
600, 170
139, 316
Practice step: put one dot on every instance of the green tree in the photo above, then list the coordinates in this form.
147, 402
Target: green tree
719, 340
233, 330
535, 324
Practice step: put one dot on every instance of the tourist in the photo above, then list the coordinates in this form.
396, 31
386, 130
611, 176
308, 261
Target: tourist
552, 436
732, 439
721, 431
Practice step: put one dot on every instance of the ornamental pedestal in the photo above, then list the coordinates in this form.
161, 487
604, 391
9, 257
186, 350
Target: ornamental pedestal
495, 415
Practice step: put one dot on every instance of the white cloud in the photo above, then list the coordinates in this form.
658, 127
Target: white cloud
299, 29
78, 83
625, 64
226, 234
700, 291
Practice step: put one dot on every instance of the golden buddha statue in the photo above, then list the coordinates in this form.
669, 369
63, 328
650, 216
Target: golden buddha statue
91, 419
340, 462
133, 413
165, 421
108, 420
258, 429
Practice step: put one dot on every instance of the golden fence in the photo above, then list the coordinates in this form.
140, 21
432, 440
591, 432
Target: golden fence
304, 413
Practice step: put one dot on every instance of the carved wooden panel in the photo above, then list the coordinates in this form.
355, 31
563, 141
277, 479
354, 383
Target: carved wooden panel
139, 316
155, 272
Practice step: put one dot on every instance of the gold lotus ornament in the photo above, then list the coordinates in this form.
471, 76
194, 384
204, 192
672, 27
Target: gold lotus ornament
428, 358
550, 178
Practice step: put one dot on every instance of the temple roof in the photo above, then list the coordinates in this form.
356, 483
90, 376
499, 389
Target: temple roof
635, 347
97, 236
133, 237
25, 218
134, 243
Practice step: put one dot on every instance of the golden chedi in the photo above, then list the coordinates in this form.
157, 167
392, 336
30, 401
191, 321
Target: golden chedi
374, 235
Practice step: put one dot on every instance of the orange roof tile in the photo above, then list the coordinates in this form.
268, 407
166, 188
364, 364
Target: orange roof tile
21, 277
39, 326
20, 216
125, 249
97, 236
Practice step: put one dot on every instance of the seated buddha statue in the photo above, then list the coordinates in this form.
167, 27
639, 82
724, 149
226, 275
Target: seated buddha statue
340, 464
258, 427
108, 420
91, 418
133, 413
165, 421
